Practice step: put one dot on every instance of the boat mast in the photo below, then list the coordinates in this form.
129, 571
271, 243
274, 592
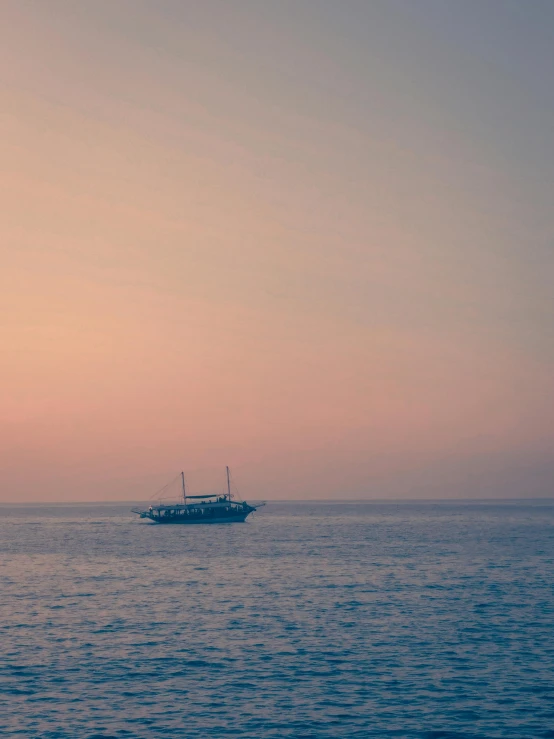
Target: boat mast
228, 485
184, 490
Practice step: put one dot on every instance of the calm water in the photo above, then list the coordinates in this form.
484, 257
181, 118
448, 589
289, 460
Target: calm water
310, 620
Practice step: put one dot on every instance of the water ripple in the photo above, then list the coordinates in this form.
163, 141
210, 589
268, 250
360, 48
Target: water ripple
416, 620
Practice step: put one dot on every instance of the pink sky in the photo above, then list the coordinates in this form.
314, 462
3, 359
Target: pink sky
228, 238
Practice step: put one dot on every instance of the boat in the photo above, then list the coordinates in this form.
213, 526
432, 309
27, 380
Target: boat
209, 508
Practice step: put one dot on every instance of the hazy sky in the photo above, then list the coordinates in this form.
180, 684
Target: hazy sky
312, 240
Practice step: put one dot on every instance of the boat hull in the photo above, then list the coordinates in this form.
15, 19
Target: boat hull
182, 521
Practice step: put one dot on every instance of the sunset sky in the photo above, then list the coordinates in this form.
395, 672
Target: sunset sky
311, 240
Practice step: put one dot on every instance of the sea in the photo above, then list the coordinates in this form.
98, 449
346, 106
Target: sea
431, 620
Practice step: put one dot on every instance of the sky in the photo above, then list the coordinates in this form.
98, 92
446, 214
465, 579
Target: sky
311, 240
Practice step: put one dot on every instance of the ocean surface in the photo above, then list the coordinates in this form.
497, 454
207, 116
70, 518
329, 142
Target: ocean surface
432, 620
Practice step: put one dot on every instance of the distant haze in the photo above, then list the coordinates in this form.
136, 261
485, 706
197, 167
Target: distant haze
310, 240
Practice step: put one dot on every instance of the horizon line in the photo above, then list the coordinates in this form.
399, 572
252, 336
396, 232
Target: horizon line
333, 501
